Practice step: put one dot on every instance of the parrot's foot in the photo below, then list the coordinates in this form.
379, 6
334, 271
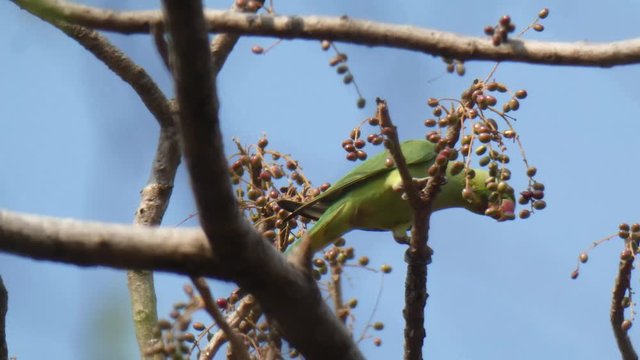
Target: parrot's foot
420, 183
409, 257
401, 237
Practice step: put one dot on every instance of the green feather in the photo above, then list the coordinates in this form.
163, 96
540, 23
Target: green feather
365, 198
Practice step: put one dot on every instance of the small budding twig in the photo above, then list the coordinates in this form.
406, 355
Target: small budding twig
246, 313
237, 345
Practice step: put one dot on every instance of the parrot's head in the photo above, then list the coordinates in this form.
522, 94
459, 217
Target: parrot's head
491, 198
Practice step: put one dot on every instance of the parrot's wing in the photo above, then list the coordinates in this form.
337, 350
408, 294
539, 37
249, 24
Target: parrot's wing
415, 151
312, 211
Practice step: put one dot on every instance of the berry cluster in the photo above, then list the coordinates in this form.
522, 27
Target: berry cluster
499, 33
177, 340
339, 61
480, 136
262, 177
631, 236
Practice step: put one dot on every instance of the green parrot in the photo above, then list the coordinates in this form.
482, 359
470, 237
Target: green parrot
370, 198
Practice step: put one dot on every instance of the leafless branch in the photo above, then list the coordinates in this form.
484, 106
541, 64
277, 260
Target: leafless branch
249, 260
154, 200
363, 32
120, 64
418, 255
237, 345
155, 196
4, 302
622, 284
84, 243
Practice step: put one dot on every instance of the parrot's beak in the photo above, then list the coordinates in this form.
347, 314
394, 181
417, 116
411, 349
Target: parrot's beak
507, 209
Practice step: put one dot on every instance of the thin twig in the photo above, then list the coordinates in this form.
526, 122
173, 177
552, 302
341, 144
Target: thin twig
121, 65
237, 345
622, 284
335, 290
363, 32
247, 312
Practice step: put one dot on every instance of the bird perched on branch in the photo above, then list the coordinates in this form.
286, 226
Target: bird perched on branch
370, 197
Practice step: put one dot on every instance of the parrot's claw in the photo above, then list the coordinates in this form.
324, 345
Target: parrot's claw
400, 236
420, 183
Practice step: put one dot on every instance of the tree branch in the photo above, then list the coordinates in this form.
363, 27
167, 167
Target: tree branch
83, 243
119, 63
622, 284
418, 255
4, 302
363, 32
249, 260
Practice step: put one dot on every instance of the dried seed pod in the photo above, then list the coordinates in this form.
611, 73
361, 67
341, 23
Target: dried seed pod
433, 102
430, 122
509, 134
521, 94
543, 13
584, 257
505, 20
539, 204
257, 49
489, 30
574, 274
514, 104
363, 261
456, 168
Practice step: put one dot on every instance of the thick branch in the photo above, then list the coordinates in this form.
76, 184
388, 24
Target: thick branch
622, 284
82, 243
434, 42
248, 259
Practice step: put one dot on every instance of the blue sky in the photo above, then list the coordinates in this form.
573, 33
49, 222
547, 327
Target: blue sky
75, 141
